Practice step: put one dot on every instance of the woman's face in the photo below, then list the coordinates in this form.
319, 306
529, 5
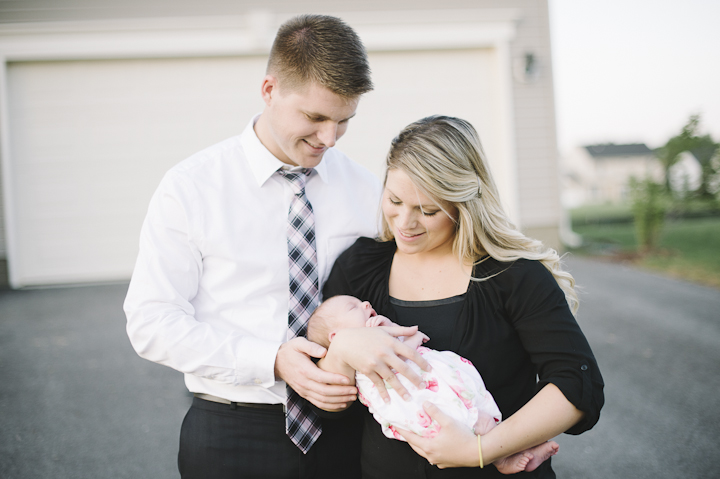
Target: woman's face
417, 221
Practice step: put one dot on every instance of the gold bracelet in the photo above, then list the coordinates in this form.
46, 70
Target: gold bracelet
480, 452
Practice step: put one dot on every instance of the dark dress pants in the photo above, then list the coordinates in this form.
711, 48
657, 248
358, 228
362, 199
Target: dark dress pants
219, 441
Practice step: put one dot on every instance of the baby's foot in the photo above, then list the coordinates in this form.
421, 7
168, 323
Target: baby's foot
485, 422
514, 463
527, 460
541, 453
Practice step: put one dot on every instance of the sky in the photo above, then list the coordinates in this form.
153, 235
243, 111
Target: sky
633, 71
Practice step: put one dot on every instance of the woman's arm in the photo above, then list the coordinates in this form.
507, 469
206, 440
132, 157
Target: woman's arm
545, 416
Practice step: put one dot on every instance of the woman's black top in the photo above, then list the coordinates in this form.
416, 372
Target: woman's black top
435, 318
515, 327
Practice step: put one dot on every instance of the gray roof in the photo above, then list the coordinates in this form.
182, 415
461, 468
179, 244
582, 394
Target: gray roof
20, 11
611, 149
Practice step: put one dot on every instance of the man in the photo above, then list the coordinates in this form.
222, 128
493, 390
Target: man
237, 241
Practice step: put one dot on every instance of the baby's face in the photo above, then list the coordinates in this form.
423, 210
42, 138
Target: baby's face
351, 312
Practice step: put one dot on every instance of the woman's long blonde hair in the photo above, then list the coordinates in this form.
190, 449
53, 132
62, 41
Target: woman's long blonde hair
444, 158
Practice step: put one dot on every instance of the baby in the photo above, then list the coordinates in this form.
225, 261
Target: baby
454, 385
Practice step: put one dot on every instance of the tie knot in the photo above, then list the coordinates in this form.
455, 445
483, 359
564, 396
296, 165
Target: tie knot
296, 178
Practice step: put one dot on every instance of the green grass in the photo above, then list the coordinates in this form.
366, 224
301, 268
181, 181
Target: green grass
689, 248
601, 214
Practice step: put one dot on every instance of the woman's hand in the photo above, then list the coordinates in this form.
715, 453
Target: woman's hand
376, 352
454, 446
545, 416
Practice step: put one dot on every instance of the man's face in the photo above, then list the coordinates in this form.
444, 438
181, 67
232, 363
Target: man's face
301, 124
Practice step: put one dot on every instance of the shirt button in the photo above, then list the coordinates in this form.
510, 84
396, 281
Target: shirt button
583, 367
258, 381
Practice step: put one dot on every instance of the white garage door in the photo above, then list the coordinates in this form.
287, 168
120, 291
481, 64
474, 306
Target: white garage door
91, 139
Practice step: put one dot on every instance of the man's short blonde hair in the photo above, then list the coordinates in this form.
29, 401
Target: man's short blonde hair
320, 49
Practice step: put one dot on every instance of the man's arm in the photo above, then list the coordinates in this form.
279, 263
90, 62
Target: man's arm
161, 318
162, 326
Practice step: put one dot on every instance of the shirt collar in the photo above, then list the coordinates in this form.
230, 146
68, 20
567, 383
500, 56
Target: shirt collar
264, 164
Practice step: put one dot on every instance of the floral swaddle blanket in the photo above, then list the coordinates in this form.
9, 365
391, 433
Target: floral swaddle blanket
454, 385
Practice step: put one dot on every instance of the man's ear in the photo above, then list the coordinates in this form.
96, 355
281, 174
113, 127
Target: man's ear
331, 335
268, 89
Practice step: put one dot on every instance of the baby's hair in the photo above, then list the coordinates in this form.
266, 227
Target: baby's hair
321, 323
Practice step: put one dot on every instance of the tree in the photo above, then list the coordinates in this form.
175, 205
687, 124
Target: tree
649, 205
670, 153
704, 150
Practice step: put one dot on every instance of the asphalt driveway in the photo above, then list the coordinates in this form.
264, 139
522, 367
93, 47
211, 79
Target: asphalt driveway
76, 402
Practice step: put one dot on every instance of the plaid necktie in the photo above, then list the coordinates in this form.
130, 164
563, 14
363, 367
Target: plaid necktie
301, 423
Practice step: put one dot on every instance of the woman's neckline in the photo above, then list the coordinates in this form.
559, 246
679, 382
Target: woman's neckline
427, 303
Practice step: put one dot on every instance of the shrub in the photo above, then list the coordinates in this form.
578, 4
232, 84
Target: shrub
650, 203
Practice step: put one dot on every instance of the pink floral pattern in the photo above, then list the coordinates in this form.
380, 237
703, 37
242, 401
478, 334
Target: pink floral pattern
454, 385
396, 434
432, 384
423, 419
465, 396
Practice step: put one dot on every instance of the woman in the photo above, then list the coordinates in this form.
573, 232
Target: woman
449, 261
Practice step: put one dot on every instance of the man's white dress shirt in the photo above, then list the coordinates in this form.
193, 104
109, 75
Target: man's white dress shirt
209, 294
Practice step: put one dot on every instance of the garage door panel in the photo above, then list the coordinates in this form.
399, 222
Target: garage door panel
413, 85
90, 141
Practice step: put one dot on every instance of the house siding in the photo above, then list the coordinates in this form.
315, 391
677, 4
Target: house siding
535, 179
538, 178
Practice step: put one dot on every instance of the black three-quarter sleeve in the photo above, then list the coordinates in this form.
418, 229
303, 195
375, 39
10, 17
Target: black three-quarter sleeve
537, 308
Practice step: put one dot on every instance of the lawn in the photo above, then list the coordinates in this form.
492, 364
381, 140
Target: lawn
689, 248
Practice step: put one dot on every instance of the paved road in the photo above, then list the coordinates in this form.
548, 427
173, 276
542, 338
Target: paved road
76, 402
658, 344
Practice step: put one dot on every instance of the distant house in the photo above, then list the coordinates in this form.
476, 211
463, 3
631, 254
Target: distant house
685, 174
600, 173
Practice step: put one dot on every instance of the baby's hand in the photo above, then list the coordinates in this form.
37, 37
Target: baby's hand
378, 321
413, 341
416, 340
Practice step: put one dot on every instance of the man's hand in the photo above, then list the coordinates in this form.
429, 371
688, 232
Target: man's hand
376, 352
328, 391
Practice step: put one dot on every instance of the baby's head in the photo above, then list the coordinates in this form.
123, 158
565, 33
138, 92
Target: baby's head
336, 313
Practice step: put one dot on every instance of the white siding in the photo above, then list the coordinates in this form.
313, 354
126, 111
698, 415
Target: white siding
538, 177
412, 85
90, 141
3, 250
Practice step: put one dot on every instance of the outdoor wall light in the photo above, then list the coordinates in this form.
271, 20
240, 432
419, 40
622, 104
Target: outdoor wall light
526, 69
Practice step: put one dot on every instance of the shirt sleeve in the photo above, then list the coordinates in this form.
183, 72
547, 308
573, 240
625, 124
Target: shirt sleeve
161, 321
553, 339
